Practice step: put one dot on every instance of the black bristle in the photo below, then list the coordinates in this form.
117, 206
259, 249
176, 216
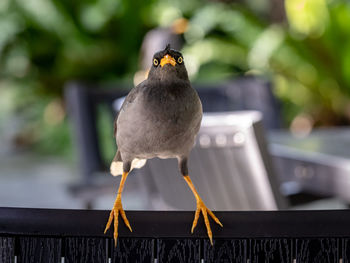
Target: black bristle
167, 48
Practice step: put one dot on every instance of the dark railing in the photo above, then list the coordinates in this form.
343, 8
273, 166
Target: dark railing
48, 235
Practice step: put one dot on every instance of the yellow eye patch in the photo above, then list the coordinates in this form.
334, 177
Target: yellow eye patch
155, 62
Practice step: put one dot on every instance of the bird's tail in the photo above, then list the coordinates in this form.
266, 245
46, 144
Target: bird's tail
117, 164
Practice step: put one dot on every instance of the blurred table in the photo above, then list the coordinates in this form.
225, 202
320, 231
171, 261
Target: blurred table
318, 163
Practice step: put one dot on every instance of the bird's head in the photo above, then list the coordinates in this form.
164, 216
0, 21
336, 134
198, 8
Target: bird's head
168, 64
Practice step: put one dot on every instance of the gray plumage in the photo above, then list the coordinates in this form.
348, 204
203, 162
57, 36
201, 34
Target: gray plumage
160, 117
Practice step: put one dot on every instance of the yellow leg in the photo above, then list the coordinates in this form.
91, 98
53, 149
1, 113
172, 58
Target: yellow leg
118, 208
201, 208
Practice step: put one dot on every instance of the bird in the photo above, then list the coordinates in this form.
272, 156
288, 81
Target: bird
160, 117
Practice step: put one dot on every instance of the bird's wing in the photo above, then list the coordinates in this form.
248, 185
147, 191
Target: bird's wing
115, 125
128, 100
132, 95
116, 167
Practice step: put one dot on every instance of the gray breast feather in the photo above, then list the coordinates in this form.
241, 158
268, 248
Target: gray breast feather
161, 126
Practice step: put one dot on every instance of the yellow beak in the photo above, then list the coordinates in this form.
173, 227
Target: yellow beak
167, 59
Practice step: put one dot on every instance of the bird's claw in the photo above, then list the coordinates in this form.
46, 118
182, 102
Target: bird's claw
116, 210
205, 211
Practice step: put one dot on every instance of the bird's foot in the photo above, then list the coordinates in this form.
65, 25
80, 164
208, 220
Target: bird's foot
116, 210
205, 211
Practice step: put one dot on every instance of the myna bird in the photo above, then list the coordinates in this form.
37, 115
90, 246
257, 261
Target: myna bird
160, 117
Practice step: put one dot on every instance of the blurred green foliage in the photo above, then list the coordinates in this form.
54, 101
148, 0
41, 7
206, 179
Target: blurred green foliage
44, 43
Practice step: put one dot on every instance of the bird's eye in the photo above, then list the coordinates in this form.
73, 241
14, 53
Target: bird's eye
179, 60
155, 62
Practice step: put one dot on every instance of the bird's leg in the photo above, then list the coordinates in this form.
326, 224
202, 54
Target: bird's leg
118, 209
200, 204
201, 208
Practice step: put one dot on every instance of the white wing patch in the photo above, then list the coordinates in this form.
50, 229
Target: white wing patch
117, 167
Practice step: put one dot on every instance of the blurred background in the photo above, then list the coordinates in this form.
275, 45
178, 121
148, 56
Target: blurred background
301, 47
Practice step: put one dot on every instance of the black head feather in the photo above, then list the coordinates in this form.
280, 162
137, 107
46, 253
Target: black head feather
168, 71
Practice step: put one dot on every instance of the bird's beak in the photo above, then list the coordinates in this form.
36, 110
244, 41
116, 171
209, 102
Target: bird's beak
167, 59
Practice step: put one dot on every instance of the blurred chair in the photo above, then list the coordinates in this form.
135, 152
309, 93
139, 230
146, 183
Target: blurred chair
231, 176
229, 165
